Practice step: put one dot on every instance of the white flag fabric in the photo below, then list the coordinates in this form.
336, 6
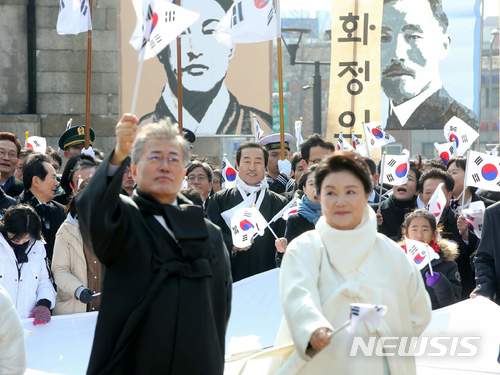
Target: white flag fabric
474, 215
340, 146
228, 173
250, 21
368, 313
246, 224
445, 151
74, 17
290, 209
359, 146
37, 144
395, 169
258, 132
437, 203
159, 22
420, 253
298, 134
376, 136
461, 134
483, 171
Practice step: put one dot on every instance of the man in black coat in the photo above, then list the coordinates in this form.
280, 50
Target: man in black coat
40, 184
487, 260
10, 148
167, 286
251, 189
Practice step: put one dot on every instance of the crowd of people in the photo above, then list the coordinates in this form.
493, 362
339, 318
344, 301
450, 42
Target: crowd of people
144, 236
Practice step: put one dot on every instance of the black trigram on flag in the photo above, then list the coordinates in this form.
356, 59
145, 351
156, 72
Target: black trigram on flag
170, 16
464, 139
355, 310
453, 128
83, 7
391, 163
390, 178
478, 160
476, 178
237, 14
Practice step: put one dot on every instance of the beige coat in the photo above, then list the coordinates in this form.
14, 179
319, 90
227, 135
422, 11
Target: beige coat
69, 268
12, 352
325, 270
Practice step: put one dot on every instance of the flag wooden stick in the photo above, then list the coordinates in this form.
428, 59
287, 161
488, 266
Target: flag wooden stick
137, 80
180, 101
89, 80
430, 261
465, 181
366, 141
281, 101
381, 182
272, 231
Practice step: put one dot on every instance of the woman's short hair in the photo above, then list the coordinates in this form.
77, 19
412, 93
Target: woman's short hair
458, 161
303, 179
21, 219
344, 162
199, 164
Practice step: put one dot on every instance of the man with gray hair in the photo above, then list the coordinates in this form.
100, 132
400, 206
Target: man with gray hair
167, 286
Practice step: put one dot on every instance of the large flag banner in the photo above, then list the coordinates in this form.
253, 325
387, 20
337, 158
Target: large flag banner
461, 134
355, 66
159, 22
430, 68
395, 169
74, 17
250, 21
419, 253
437, 203
474, 215
246, 224
224, 85
482, 171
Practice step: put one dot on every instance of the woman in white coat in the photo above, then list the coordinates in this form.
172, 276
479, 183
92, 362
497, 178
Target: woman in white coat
343, 261
12, 352
23, 267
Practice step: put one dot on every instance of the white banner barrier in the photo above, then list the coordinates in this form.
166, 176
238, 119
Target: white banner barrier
63, 346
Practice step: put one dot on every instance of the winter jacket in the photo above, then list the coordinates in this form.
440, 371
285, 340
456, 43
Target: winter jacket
393, 213
69, 267
12, 352
31, 284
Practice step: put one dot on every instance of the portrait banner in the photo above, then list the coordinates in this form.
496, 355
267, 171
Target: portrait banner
224, 85
430, 69
355, 67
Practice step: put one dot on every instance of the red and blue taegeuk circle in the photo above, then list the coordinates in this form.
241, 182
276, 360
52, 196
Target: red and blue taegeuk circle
454, 139
419, 259
445, 156
402, 170
489, 172
230, 175
259, 4
377, 133
246, 225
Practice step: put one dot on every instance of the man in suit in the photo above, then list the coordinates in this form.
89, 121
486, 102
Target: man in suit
167, 286
487, 260
414, 41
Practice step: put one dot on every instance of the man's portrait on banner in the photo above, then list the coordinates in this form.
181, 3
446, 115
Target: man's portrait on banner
414, 41
209, 107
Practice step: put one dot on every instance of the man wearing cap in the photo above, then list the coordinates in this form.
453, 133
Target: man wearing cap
73, 140
278, 171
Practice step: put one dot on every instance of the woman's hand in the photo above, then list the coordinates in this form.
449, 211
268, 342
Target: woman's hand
463, 228
320, 339
281, 244
380, 218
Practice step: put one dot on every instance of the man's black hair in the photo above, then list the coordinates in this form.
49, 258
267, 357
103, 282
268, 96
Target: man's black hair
34, 168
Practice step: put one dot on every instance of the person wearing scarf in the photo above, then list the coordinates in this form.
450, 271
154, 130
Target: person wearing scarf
24, 273
308, 213
443, 285
251, 190
342, 261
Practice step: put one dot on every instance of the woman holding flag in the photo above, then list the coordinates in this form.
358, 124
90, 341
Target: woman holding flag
345, 260
441, 275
